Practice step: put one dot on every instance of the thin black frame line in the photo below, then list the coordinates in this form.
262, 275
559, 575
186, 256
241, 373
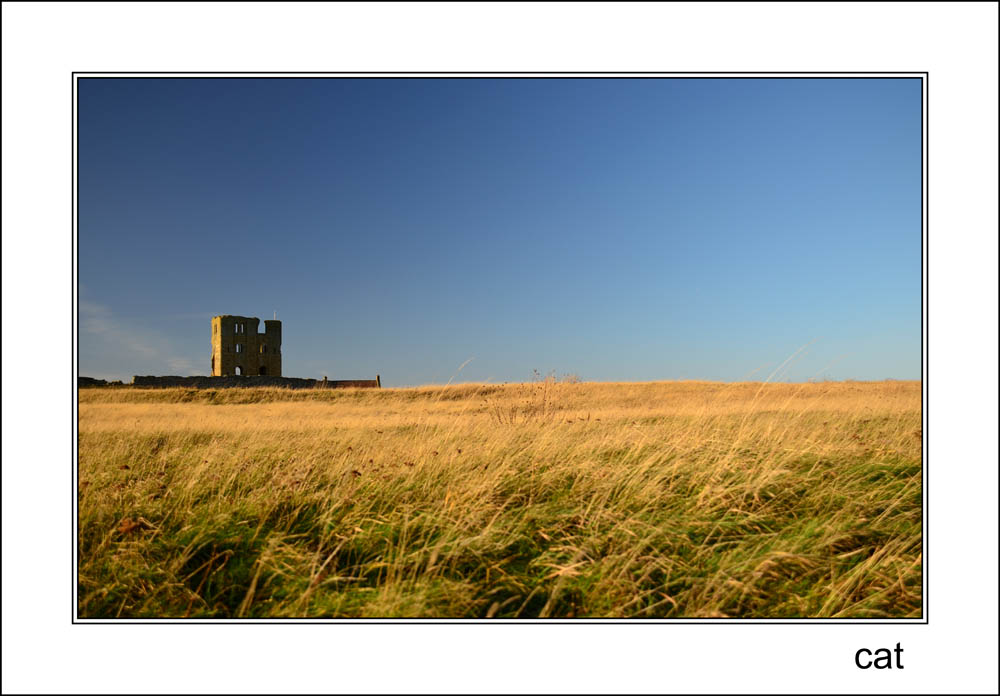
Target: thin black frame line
75, 363
925, 284
533, 622
925, 338
469, 77
501, 72
477, 622
74, 368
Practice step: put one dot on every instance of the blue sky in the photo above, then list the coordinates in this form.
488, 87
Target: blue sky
617, 229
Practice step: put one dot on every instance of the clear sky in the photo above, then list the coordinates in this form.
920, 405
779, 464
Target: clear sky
617, 229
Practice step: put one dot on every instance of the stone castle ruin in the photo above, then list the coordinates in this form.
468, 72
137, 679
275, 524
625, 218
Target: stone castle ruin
241, 357
238, 349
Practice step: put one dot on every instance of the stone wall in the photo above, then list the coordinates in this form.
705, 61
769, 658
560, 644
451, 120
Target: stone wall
93, 382
259, 353
253, 381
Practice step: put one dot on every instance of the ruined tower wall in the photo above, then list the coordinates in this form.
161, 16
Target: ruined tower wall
236, 343
269, 348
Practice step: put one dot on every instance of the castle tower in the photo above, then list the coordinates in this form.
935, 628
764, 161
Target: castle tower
237, 348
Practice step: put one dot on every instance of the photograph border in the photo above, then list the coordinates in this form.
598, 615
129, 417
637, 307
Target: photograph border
923, 76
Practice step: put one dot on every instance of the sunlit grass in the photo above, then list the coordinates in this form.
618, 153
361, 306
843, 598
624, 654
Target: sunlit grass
684, 499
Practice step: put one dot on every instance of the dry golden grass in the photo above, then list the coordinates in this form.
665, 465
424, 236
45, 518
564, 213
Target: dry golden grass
682, 499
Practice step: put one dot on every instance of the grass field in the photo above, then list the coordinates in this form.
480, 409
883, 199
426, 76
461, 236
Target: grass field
667, 500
